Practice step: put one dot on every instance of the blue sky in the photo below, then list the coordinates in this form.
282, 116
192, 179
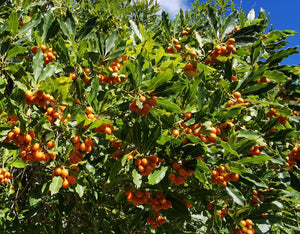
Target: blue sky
284, 15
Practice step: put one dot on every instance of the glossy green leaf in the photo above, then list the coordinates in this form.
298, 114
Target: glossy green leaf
38, 64
137, 178
111, 41
157, 175
48, 20
235, 194
15, 51
160, 79
13, 22
79, 189
168, 106
254, 160
55, 184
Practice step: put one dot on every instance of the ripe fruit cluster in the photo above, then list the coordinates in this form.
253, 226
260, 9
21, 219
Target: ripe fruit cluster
116, 143
85, 146
64, 173
238, 100
30, 152
223, 213
48, 53
263, 80
255, 150
5, 176
176, 44
182, 173
294, 156
39, 97
144, 197
221, 177
190, 67
196, 130
222, 50
114, 67
105, 128
246, 226
147, 165
258, 196
147, 103
156, 220
281, 119
52, 114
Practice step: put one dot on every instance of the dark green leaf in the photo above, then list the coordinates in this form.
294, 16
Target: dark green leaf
235, 194
255, 159
15, 51
13, 22
168, 106
156, 176
48, 20
38, 63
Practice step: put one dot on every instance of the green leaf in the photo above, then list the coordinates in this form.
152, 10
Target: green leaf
48, 71
111, 41
228, 148
254, 160
137, 178
79, 189
235, 194
55, 184
248, 134
15, 51
160, 79
257, 51
229, 24
136, 30
38, 64
244, 146
278, 56
18, 163
201, 95
87, 28
277, 76
61, 49
156, 176
48, 20
168, 106
13, 22
280, 135
212, 20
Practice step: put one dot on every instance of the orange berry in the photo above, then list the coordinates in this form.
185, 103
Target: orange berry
87, 70
64, 173
76, 139
175, 132
143, 99
187, 115
65, 183
72, 179
51, 144
237, 95
222, 169
89, 110
57, 171
176, 166
17, 131
144, 162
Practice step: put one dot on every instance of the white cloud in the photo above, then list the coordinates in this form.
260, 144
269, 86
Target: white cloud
173, 6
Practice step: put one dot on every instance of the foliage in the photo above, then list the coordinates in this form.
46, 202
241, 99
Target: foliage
118, 120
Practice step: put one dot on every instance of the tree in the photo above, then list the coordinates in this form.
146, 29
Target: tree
145, 124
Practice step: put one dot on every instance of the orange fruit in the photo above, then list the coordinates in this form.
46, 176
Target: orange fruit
72, 179
230, 41
89, 110
57, 171
17, 131
175, 132
64, 173
51, 144
65, 183
87, 70
237, 95
187, 115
